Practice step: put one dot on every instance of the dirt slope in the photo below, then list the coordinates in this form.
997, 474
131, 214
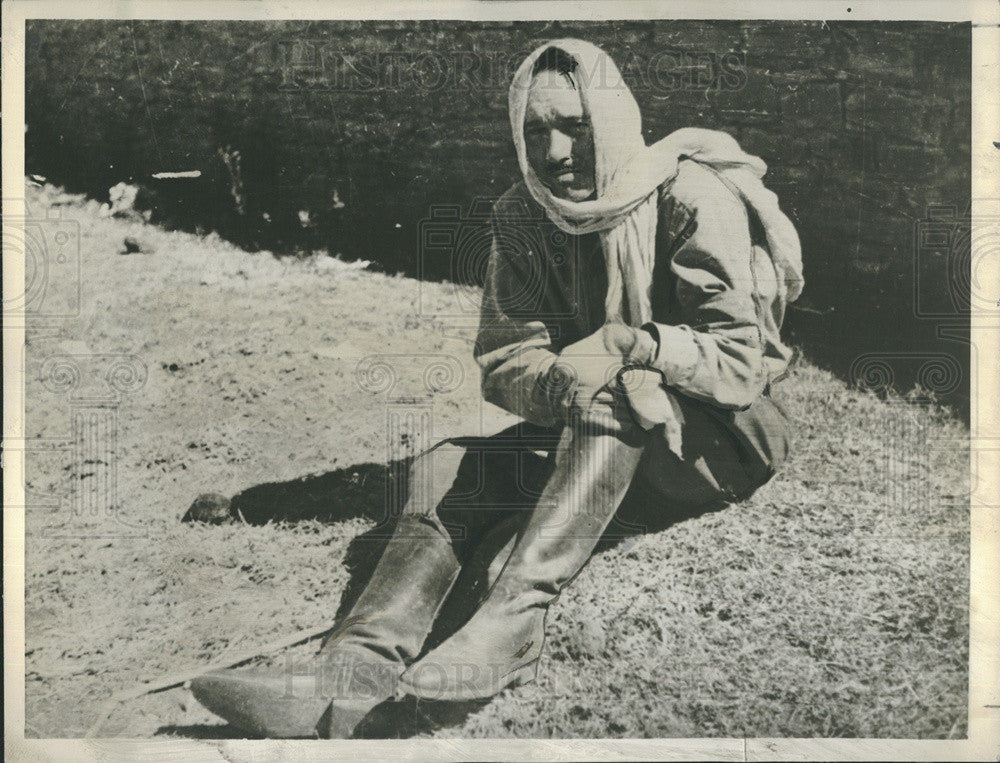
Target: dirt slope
832, 603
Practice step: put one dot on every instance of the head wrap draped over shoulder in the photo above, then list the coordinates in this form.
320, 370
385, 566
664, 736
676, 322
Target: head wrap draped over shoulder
628, 174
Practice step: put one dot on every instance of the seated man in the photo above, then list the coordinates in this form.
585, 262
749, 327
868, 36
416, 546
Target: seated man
635, 329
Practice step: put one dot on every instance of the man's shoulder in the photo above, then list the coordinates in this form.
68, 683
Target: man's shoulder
696, 186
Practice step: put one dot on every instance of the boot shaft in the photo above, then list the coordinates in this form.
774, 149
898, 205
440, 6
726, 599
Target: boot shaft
397, 608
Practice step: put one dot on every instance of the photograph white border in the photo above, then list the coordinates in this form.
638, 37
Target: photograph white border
983, 742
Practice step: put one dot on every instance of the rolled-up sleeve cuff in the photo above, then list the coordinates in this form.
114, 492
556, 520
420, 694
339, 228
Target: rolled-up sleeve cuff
677, 355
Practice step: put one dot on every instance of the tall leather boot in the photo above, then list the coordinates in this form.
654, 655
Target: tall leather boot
502, 643
359, 665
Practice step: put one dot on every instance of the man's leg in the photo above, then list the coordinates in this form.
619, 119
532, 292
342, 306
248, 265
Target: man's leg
727, 455
457, 492
725, 458
502, 642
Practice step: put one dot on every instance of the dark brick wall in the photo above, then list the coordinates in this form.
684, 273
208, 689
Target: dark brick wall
864, 125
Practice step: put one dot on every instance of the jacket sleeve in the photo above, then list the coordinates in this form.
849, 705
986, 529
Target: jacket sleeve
514, 351
715, 354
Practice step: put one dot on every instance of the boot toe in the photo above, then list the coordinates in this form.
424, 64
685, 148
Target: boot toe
438, 677
261, 705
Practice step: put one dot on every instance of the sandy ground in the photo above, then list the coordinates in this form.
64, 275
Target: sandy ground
832, 603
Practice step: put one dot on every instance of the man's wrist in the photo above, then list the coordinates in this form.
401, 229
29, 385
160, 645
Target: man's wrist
647, 345
559, 383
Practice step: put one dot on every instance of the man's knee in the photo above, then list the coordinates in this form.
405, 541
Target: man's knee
432, 474
469, 483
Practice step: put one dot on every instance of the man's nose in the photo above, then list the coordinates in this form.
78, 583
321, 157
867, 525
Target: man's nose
560, 147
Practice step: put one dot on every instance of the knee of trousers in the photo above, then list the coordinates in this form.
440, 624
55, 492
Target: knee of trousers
429, 478
465, 485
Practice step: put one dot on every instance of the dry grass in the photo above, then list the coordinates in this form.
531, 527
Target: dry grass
833, 603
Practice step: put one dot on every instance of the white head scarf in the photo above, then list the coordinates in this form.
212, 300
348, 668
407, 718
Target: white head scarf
628, 174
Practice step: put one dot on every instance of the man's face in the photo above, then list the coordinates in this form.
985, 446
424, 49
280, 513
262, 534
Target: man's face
558, 137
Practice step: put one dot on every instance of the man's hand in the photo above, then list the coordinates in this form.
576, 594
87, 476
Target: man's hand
582, 383
637, 347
